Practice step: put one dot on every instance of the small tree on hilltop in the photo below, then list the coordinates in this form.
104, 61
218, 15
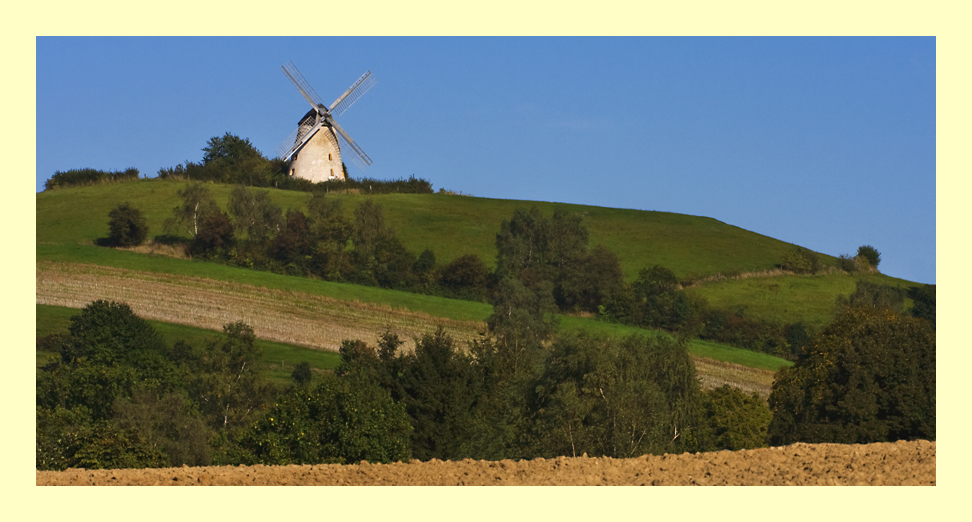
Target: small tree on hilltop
127, 226
870, 254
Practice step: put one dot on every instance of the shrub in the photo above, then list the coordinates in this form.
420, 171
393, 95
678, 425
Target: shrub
847, 263
733, 420
127, 226
799, 260
874, 295
82, 177
465, 272
302, 374
869, 253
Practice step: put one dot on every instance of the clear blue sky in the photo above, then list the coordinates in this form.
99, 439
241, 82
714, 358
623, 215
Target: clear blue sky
828, 143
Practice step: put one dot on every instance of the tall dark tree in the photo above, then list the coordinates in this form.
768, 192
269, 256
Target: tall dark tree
442, 390
868, 377
523, 242
293, 243
522, 319
214, 235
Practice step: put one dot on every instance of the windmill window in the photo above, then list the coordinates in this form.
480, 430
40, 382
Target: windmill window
332, 173
329, 159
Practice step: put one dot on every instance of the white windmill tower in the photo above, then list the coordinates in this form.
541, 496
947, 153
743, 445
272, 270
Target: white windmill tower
314, 148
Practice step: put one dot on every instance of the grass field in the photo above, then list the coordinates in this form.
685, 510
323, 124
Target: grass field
450, 225
279, 359
70, 221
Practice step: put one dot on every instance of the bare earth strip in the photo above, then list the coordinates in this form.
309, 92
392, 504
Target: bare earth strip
901, 463
296, 318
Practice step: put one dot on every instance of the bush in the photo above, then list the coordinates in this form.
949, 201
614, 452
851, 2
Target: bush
127, 226
82, 177
847, 263
799, 260
733, 420
874, 295
869, 253
466, 272
302, 374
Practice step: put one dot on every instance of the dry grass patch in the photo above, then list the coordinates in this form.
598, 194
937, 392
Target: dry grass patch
159, 249
277, 315
714, 374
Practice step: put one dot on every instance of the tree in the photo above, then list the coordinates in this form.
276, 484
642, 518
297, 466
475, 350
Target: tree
616, 398
368, 231
231, 159
197, 202
343, 419
924, 298
732, 420
302, 374
230, 148
327, 222
567, 240
254, 215
869, 253
465, 273
874, 295
127, 226
800, 260
521, 320
165, 423
225, 382
214, 234
867, 377
293, 243
587, 284
523, 242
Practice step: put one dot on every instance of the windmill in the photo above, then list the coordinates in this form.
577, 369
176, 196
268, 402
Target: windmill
314, 148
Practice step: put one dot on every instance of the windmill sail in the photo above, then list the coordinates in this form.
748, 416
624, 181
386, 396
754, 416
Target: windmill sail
305, 89
367, 81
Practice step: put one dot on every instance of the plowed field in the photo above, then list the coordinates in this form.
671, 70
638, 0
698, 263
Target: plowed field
898, 463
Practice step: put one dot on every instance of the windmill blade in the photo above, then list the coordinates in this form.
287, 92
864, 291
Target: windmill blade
351, 95
285, 151
358, 156
305, 89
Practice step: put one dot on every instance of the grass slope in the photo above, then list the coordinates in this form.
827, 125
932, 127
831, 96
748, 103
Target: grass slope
69, 222
450, 225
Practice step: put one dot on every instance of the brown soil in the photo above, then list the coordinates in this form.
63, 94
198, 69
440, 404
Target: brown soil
899, 463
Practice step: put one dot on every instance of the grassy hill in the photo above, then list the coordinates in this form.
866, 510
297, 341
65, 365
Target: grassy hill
70, 221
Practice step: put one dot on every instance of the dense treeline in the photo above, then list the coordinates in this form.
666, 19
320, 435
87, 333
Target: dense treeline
118, 396
82, 177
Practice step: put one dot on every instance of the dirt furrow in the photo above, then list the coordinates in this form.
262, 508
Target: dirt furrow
899, 463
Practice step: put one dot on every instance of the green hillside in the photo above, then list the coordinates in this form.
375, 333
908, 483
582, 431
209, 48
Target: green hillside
70, 221
450, 225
